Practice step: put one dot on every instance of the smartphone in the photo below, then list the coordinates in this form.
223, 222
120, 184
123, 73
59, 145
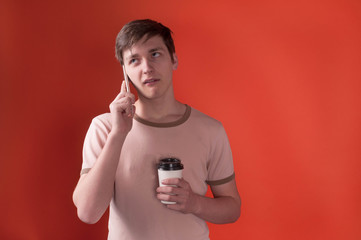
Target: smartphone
126, 79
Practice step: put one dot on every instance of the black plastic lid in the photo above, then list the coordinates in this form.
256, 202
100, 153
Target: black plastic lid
170, 164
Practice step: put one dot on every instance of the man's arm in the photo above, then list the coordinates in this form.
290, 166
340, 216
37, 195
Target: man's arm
223, 208
95, 189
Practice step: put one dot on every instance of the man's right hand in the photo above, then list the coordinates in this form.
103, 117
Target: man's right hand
122, 111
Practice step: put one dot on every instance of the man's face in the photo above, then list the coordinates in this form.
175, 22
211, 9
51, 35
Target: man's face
150, 67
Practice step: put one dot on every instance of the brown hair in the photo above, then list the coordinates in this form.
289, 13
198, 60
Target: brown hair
135, 30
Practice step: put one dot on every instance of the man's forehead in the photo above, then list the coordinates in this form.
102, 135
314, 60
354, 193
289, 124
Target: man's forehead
147, 44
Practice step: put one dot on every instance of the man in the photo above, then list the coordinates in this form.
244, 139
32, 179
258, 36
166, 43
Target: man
122, 149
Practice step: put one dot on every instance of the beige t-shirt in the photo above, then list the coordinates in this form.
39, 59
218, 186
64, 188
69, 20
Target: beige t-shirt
198, 140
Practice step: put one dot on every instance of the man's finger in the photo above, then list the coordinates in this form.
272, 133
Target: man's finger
172, 181
123, 88
122, 92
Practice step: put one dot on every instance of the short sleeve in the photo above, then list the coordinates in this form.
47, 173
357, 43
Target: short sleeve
94, 142
220, 167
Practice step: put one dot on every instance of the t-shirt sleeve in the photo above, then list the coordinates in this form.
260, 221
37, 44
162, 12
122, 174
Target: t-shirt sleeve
94, 142
220, 168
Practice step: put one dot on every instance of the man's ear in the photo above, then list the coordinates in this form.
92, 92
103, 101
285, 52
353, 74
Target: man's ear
175, 61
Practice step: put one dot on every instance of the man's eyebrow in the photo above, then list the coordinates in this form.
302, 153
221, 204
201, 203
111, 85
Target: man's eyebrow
132, 56
135, 55
156, 49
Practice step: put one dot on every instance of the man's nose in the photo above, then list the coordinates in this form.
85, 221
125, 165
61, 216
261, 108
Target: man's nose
147, 66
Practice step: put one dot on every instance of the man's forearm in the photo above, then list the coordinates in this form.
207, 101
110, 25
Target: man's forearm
95, 189
218, 210
223, 208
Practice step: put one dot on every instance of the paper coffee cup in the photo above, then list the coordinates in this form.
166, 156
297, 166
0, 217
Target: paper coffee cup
169, 168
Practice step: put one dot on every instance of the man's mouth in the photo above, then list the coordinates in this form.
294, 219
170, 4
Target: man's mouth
151, 80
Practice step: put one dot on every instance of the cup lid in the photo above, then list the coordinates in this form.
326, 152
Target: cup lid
170, 164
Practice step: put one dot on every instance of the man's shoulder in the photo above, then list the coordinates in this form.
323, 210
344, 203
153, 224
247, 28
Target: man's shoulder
205, 119
103, 116
102, 120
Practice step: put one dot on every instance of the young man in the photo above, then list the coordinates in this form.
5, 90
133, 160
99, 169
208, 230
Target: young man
122, 149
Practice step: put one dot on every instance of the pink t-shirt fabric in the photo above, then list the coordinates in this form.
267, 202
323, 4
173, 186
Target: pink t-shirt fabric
135, 213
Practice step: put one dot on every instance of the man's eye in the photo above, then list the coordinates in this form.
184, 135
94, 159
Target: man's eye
132, 61
155, 54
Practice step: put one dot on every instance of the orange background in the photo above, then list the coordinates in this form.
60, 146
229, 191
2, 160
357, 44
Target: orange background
283, 76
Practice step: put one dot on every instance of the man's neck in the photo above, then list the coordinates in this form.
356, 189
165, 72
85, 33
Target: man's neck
159, 110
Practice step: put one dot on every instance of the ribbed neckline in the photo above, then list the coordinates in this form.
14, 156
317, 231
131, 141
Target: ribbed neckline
181, 120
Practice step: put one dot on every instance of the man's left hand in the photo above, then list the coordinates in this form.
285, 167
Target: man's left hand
186, 200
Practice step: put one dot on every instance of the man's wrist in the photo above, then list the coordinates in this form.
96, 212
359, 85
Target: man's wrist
197, 206
117, 134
